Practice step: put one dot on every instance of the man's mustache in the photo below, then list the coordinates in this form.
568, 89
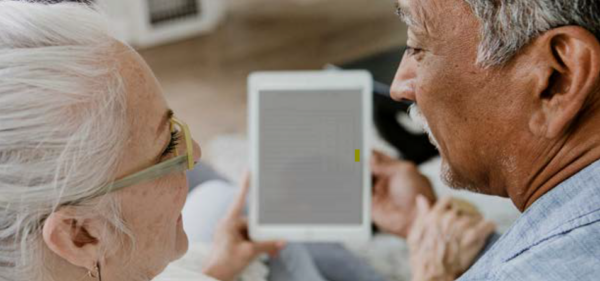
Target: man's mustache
417, 116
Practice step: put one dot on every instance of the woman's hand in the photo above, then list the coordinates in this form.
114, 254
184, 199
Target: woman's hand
232, 250
396, 185
445, 239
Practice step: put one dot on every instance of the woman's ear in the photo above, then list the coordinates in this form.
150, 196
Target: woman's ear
74, 239
568, 69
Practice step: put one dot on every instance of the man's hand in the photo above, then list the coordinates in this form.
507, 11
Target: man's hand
396, 185
445, 239
232, 250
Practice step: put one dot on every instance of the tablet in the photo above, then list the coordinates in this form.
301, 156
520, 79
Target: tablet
310, 155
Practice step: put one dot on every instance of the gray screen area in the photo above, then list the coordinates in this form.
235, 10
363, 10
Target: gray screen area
308, 170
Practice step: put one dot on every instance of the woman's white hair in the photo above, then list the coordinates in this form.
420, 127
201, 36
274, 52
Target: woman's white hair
509, 25
62, 124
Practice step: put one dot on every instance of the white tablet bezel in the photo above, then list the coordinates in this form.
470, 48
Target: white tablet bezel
310, 80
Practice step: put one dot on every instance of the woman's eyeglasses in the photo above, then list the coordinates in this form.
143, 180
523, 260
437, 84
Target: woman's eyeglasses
179, 163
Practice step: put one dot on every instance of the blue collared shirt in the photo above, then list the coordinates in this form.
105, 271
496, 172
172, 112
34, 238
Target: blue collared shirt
556, 238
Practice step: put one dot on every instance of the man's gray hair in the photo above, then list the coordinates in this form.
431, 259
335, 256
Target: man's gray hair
509, 25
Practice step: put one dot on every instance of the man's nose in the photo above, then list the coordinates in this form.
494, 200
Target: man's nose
403, 87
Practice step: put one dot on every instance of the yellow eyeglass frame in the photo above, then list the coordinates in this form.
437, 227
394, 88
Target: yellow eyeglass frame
179, 163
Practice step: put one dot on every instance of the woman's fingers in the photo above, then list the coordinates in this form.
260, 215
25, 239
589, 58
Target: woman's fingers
479, 233
270, 247
241, 223
245, 182
446, 237
422, 205
384, 165
237, 209
442, 205
379, 157
449, 220
377, 163
419, 224
380, 187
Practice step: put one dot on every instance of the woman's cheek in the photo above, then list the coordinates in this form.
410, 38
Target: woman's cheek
182, 191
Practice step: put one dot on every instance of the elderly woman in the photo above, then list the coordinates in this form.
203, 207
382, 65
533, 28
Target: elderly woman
92, 162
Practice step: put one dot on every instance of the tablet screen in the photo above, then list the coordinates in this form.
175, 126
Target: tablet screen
309, 157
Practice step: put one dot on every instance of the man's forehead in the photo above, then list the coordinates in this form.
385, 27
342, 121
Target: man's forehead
413, 14
435, 17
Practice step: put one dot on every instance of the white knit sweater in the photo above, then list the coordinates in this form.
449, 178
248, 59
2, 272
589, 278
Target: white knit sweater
189, 268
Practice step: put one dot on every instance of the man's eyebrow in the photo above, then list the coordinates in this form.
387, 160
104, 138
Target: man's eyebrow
165, 121
408, 18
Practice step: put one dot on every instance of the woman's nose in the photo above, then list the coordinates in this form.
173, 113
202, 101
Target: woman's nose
403, 87
197, 151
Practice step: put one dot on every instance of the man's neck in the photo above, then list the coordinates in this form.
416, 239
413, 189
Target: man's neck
567, 157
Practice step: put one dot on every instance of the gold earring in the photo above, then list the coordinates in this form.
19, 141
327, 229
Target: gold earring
94, 272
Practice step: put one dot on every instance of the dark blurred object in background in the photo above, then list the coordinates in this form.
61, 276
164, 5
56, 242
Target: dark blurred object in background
58, 1
162, 11
413, 147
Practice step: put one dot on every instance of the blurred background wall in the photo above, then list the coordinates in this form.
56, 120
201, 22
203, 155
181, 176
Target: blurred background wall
204, 75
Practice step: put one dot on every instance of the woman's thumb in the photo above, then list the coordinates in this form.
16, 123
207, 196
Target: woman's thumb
270, 247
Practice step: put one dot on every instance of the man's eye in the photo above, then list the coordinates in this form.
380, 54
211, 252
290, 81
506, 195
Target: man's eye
412, 51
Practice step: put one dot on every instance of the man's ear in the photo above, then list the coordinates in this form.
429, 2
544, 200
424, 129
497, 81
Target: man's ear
74, 239
567, 75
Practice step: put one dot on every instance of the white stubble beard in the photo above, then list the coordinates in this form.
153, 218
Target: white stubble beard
447, 175
417, 117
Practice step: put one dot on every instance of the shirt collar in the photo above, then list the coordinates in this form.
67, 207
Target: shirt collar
573, 203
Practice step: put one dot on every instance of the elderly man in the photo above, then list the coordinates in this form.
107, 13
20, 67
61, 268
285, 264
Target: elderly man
510, 94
